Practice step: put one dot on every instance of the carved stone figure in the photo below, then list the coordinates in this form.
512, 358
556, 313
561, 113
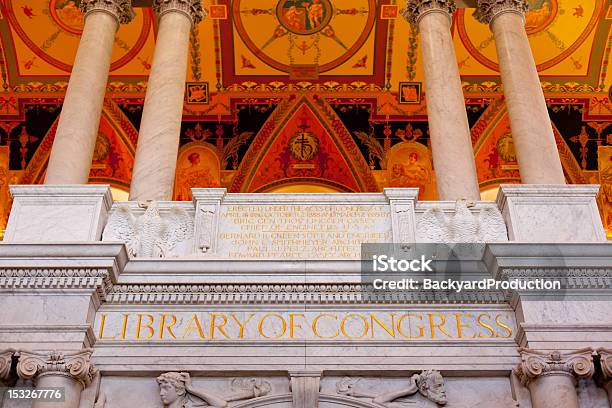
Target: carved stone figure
462, 226
150, 235
176, 391
205, 227
429, 384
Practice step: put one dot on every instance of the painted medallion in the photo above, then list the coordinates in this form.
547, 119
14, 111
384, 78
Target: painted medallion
304, 17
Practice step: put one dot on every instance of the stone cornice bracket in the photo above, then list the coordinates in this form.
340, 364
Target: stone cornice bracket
6, 361
534, 364
417, 9
191, 8
120, 9
605, 361
487, 10
77, 366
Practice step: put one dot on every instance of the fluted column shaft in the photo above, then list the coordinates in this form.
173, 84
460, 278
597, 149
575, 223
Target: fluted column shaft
158, 141
77, 130
453, 154
71, 372
551, 377
536, 149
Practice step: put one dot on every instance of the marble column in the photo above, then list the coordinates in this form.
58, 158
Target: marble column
77, 130
605, 360
158, 141
551, 376
451, 145
536, 149
72, 372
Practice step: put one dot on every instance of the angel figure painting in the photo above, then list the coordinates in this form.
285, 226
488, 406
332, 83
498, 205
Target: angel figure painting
409, 165
197, 166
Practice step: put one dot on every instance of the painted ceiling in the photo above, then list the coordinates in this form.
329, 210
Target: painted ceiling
278, 101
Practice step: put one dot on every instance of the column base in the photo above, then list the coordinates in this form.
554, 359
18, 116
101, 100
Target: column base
551, 213
58, 213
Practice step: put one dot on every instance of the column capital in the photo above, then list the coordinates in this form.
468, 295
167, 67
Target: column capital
416, 9
605, 360
6, 360
191, 8
76, 365
535, 364
120, 9
487, 10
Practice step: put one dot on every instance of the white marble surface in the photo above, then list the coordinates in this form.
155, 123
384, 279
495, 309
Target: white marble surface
551, 213
58, 213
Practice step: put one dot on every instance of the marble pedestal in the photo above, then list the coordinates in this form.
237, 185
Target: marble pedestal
58, 213
551, 213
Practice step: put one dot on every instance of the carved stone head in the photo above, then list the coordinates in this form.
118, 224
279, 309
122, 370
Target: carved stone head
172, 389
431, 386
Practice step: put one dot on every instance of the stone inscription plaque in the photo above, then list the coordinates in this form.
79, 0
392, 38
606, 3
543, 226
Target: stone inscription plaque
296, 231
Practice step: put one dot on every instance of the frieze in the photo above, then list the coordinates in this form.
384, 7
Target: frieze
176, 390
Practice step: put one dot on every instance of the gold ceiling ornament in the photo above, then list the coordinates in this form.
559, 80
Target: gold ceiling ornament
120, 9
416, 9
487, 10
191, 8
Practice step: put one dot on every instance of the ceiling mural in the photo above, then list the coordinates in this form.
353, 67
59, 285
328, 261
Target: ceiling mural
308, 95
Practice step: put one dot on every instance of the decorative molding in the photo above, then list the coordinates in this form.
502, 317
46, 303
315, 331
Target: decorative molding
191, 8
305, 388
535, 364
95, 279
287, 294
416, 9
120, 9
76, 365
487, 10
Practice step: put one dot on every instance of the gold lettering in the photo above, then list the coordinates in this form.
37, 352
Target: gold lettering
316, 321
433, 326
420, 326
139, 325
162, 325
263, 319
124, 326
214, 326
343, 324
374, 319
486, 326
101, 336
501, 324
461, 326
194, 319
242, 325
292, 324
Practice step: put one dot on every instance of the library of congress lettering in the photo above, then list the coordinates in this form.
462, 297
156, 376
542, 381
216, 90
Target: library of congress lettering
305, 203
